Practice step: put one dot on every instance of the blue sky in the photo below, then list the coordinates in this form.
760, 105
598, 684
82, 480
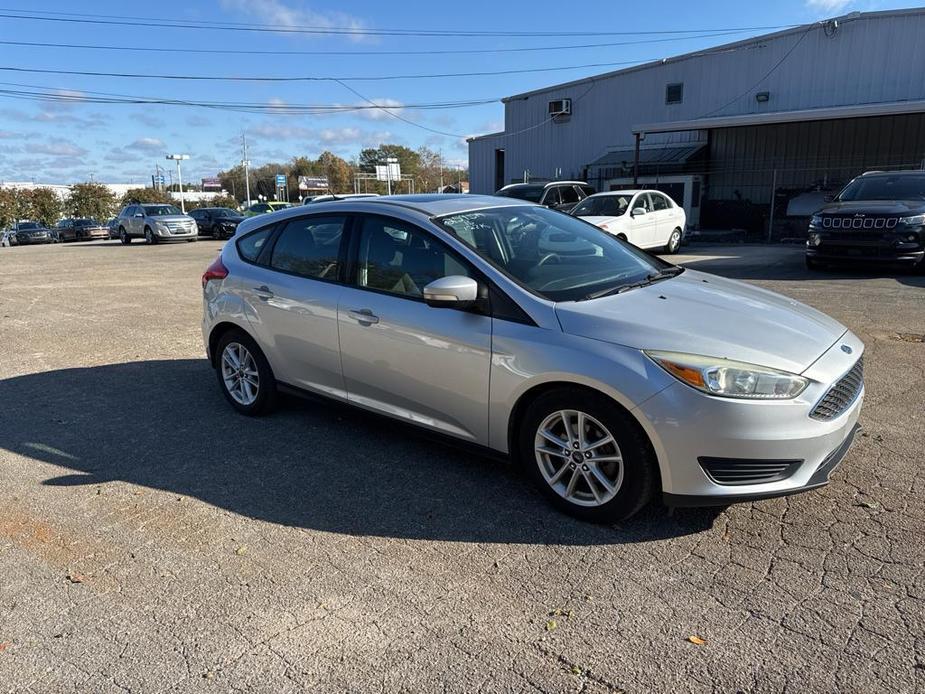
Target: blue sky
67, 142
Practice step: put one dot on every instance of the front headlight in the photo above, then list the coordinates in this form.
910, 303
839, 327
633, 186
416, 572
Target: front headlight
816, 220
161, 226
730, 379
913, 221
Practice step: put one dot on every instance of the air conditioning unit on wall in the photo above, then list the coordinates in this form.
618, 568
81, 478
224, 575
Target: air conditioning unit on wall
560, 108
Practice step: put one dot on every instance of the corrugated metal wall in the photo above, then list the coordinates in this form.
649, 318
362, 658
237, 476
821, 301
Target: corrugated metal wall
876, 58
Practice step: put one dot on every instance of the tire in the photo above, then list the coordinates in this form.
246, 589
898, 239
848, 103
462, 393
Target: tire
124, 237
674, 243
150, 238
266, 396
628, 463
216, 235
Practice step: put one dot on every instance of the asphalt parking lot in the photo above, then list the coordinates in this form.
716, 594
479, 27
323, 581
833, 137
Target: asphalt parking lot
151, 540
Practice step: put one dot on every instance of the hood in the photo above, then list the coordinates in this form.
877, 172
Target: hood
173, 218
236, 219
597, 221
703, 314
897, 207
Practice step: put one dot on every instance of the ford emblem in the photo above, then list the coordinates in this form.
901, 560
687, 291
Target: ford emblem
846, 349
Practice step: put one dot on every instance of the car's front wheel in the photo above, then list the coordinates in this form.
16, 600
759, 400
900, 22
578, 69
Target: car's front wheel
150, 238
124, 237
244, 374
587, 455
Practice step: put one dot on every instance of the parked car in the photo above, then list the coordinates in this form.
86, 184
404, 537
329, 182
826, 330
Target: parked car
878, 217
113, 226
559, 195
612, 377
311, 199
82, 229
155, 222
33, 232
217, 222
264, 207
8, 238
646, 218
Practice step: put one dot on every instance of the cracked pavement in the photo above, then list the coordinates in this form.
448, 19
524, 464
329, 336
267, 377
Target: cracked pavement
151, 540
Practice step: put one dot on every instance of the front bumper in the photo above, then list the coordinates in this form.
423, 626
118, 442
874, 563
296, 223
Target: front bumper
167, 235
687, 426
902, 246
33, 240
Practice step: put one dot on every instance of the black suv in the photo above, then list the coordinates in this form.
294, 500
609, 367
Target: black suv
878, 217
559, 195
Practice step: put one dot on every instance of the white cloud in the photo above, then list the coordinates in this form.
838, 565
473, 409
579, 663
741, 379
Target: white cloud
148, 144
55, 148
392, 105
294, 16
828, 5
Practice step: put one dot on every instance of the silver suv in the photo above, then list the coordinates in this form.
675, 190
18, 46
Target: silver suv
155, 222
610, 374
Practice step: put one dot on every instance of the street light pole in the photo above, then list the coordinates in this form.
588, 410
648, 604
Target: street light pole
178, 158
245, 163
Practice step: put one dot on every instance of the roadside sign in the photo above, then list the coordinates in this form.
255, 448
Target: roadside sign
313, 183
280, 180
212, 183
388, 172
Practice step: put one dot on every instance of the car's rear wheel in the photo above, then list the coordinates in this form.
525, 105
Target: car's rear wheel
587, 455
674, 242
123, 237
244, 374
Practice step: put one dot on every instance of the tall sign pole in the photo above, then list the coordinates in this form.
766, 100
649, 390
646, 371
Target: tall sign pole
246, 164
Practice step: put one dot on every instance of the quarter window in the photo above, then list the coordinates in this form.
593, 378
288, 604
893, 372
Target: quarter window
401, 259
309, 247
249, 246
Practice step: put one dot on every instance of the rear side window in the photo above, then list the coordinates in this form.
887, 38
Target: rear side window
310, 247
587, 190
249, 246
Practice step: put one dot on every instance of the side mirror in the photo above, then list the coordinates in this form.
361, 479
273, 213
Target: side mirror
139, 215
638, 211
454, 291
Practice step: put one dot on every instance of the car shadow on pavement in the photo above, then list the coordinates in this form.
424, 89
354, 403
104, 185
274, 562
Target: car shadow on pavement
165, 425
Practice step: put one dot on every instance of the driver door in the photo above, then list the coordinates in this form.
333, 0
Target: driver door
400, 356
642, 227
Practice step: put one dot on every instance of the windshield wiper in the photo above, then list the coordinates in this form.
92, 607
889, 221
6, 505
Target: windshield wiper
672, 271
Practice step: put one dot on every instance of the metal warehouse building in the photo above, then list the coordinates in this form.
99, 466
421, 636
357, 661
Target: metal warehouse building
783, 118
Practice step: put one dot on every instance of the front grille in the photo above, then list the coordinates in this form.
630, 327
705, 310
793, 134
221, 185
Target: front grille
179, 227
841, 395
855, 222
732, 471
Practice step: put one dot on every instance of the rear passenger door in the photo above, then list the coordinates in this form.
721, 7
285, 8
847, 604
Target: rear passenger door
293, 293
426, 365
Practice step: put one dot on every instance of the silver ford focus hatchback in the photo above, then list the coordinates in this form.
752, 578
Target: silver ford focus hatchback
610, 375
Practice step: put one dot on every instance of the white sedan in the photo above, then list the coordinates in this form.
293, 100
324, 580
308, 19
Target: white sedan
646, 218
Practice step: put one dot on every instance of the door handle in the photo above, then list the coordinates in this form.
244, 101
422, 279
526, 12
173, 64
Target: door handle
263, 291
364, 316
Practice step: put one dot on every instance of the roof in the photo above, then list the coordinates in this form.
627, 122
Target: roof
542, 184
853, 16
651, 155
767, 118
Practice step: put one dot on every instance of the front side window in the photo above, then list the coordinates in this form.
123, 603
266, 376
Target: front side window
658, 202
310, 247
552, 197
642, 200
401, 259
569, 194
901, 187
559, 257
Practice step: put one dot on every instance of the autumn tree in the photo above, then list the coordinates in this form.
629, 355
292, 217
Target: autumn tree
145, 195
46, 206
92, 200
10, 205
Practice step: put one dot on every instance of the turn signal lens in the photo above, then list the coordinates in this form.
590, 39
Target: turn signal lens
730, 379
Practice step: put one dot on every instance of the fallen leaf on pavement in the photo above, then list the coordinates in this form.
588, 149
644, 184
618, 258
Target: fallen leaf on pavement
696, 640
241, 551
868, 504
75, 577
551, 624
4, 645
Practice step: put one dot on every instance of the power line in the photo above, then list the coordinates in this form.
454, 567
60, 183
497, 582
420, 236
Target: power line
148, 22
377, 53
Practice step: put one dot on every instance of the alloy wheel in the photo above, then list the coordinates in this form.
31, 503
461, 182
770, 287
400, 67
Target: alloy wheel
675, 241
239, 373
579, 458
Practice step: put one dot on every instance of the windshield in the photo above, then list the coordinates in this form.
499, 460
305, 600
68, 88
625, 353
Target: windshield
528, 193
160, 210
87, 223
26, 226
552, 254
224, 212
603, 206
904, 187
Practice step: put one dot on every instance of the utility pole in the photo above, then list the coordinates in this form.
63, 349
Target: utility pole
245, 163
178, 158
